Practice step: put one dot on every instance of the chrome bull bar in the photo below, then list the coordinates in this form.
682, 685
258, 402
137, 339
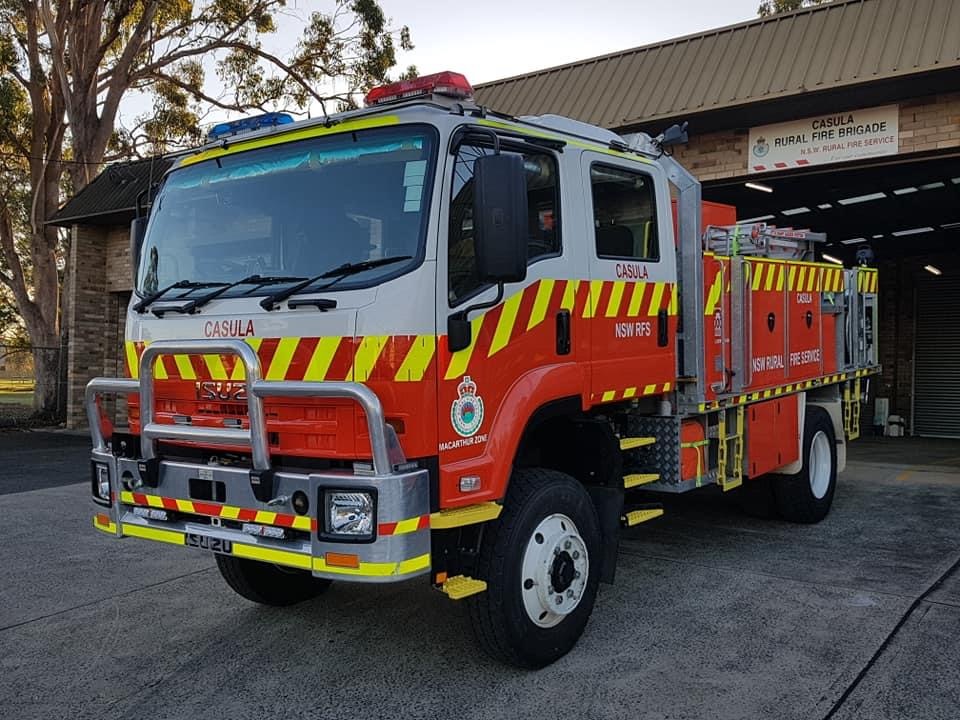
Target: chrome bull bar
385, 448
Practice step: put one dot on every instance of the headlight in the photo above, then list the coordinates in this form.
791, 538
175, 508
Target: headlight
101, 481
350, 514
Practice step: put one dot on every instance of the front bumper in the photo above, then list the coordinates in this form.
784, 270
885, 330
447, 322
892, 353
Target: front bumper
400, 544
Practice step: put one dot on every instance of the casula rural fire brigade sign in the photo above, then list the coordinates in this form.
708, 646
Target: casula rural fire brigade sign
837, 137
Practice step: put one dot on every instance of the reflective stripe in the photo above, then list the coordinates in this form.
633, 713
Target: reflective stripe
636, 298
366, 357
281, 358
616, 296
272, 555
461, 359
593, 298
418, 358
372, 569
150, 533
508, 318
540, 304
319, 364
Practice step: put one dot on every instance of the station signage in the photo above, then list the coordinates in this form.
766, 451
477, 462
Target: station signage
832, 138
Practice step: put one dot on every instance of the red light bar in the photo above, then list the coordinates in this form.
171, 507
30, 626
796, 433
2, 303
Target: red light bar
446, 83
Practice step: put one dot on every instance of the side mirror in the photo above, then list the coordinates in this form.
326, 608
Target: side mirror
138, 229
500, 218
674, 135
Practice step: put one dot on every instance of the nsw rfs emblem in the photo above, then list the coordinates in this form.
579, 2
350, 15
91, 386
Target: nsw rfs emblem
466, 413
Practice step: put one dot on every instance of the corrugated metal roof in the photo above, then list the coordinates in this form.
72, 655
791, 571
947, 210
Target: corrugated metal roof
112, 194
842, 43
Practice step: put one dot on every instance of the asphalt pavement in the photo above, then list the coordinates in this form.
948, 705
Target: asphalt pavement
714, 615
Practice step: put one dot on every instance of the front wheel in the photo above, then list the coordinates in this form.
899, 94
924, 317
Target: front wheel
806, 496
269, 584
541, 562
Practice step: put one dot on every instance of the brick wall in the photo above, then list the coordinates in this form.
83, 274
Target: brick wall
95, 312
929, 123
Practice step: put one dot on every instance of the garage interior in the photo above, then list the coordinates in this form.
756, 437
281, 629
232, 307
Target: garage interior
907, 211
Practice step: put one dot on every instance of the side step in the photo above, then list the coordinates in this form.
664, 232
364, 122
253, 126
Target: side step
642, 515
461, 586
636, 479
469, 515
631, 443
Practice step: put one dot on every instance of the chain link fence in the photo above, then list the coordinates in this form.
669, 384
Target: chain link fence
20, 382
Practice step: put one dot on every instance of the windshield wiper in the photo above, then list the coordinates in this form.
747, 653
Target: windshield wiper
142, 306
338, 273
191, 306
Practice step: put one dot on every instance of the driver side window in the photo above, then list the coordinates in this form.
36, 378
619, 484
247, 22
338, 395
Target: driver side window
543, 220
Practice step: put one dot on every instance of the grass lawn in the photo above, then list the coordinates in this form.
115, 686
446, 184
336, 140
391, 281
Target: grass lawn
16, 392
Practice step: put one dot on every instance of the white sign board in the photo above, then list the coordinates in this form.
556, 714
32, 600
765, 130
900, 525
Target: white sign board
839, 137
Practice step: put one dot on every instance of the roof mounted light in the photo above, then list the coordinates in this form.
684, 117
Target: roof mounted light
450, 84
245, 125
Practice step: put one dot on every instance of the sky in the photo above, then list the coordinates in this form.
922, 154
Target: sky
495, 39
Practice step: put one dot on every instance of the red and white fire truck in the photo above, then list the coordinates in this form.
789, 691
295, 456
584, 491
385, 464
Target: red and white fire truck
427, 339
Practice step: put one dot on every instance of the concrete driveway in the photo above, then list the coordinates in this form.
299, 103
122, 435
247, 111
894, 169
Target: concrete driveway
714, 615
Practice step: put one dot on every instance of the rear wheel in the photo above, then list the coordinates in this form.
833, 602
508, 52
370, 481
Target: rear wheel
269, 584
541, 562
807, 495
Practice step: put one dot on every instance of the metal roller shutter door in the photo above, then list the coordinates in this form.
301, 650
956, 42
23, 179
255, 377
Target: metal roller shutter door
936, 385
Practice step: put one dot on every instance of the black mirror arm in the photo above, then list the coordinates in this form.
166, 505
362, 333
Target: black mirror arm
459, 335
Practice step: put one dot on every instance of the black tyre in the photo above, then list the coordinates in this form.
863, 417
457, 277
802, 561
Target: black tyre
756, 499
541, 562
806, 497
269, 584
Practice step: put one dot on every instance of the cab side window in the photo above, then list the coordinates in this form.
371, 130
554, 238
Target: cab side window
624, 213
543, 220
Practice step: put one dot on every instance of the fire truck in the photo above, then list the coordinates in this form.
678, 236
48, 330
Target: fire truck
427, 339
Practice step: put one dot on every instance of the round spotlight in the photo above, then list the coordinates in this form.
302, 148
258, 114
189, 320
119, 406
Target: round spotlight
300, 503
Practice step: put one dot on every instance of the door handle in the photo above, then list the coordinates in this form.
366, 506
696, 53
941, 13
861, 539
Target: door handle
662, 329
563, 332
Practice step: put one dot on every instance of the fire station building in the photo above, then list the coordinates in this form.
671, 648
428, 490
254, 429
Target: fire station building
842, 118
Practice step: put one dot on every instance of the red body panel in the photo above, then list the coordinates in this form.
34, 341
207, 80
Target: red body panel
771, 435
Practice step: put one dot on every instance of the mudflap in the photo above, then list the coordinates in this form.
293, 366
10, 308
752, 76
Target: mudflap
608, 502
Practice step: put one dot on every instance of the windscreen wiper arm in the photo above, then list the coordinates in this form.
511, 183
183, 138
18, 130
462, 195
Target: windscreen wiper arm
192, 306
338, 273
142, 306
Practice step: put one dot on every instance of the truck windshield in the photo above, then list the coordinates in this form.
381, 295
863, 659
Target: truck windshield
294, 210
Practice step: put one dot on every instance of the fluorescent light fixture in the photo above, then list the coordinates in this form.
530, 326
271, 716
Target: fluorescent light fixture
912, 231
955, 181
932, 186
758, 186
904, 191
795, 211
862, 198
824, 206
831, 258
933, 270
877, 237
853, 241
755, 219
951, 225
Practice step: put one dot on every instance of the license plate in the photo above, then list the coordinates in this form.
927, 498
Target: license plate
216, 545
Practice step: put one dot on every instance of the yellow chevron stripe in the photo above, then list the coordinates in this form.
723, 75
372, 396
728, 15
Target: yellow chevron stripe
714, 296
771, 277
649, 389
812, 279
508, 318
757, 270
781, 272
541, 303
636, 298
406, 526
133, 361
184, 367
319, 364
215, 367
239, 372
593, 298
609, 395
656, 299
616, 296
460, 360
801, 276
265, 518
672, 310
366, 357
282, 357
667, 387
569, 300
418, 358
629, 392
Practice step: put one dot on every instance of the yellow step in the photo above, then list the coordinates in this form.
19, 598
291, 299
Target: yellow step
631, 443
637, 479
469, 515
635, 517
461, 586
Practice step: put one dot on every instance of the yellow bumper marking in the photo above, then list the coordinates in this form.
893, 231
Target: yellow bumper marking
418, 359
469, 515
371, 569
272, 555
149, 533
110, 528
541, 303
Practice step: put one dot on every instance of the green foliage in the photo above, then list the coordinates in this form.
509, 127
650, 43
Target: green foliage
775, 7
